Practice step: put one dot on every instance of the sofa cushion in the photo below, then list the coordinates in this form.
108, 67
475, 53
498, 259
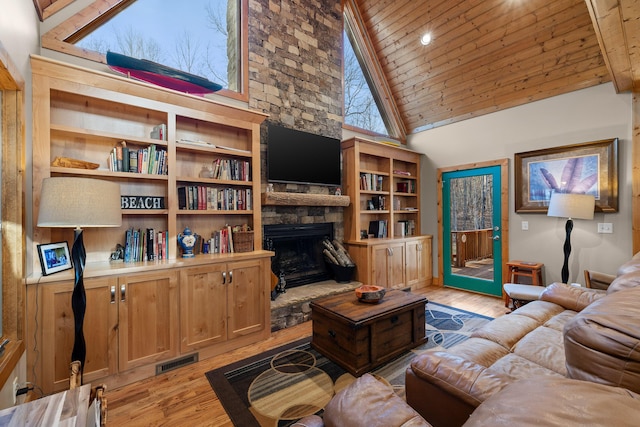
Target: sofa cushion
479, 350
472, 382
543, 346
602, 343
626, 281
540, 311
570, 297
506, 330
367, 402
554, 401
630, 266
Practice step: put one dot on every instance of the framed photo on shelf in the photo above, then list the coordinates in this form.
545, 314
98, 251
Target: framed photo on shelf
589, 168
54, 257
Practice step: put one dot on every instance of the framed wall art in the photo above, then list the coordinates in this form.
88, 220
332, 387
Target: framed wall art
588, 168
54, 257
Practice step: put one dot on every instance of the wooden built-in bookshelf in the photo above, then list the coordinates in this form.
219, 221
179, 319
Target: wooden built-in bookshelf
143, 314
383, 183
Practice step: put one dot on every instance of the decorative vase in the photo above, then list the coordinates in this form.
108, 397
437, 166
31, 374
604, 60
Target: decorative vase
187, 241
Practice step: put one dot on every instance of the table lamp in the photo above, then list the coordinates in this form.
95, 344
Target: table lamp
570, 206
71, 202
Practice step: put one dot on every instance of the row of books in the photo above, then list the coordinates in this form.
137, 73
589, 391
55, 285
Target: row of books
148, 160
377, 203
378, 228
159, 132
221, 241
145, 245
371, 182
200, 197
405, 228
406, 186
231, 170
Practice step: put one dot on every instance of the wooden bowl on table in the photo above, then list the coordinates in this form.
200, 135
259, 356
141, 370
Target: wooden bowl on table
370, 293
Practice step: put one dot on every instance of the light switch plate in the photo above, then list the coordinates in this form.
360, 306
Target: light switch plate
605, 227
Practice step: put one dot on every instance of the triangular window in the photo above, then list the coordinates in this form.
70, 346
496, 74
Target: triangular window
368, 100
360, 107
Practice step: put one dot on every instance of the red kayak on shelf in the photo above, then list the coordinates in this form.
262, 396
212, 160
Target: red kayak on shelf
161, 75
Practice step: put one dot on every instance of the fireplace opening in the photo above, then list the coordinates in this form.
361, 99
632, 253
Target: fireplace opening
298, 251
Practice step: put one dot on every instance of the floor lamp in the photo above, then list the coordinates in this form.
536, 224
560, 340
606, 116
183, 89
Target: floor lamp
570, 206
70, 202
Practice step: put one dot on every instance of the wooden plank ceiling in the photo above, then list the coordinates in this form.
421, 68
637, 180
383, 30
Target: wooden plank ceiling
488, 55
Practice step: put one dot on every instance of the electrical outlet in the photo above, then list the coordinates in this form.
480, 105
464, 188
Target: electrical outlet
15, 390
525, 225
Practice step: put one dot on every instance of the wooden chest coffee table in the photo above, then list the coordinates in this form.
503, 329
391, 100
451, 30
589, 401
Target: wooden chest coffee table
361, 336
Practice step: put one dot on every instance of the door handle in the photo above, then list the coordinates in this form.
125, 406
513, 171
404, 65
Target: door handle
231, 277
123, 293
496, 237
113, 295
224, 277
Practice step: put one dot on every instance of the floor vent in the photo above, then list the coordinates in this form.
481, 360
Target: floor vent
175, 364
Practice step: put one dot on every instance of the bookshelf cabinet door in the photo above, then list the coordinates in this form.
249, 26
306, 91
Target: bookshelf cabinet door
419, 262
203, 307
247, 297
100, 331
396, 270
388, 263
148, 318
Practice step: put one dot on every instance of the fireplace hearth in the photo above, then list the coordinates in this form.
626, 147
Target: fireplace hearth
298, 252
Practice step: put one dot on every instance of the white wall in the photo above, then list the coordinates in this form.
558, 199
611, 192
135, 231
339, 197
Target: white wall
19, 37
587, 115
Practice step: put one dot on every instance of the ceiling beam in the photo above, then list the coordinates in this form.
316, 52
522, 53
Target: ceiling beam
617, 26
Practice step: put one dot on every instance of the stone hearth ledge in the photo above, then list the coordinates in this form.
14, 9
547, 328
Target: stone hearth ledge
292, 307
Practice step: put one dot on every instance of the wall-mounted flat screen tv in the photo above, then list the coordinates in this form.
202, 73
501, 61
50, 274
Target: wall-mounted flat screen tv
301, 157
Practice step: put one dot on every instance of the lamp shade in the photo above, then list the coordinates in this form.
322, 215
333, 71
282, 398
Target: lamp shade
79, 203
574, 206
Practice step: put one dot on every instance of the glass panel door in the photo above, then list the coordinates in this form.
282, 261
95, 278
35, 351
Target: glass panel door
472, 244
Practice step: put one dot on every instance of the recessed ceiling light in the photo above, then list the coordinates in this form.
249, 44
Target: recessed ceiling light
425, 39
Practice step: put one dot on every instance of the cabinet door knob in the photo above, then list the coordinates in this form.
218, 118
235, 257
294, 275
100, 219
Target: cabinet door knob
332, 334
224, 277
231, 277
113, 295
123, 293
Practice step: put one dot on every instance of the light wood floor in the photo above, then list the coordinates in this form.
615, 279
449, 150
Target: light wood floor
184, 398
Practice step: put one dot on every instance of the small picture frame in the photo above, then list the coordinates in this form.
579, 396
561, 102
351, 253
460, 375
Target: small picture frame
54, 257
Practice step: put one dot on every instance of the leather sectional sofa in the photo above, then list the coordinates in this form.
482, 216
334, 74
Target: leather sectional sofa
570, 358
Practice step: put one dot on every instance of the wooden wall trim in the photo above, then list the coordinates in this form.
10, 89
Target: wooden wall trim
635, 173
14, 238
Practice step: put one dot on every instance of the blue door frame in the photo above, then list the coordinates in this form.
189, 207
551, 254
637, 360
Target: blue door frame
480, 285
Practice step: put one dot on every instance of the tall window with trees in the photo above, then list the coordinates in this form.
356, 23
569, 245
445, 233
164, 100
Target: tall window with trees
368, 99
360, 108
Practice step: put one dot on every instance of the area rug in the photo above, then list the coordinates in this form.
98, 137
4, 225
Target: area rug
280, 386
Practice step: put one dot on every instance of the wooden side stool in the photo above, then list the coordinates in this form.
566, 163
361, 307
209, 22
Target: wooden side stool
518, 269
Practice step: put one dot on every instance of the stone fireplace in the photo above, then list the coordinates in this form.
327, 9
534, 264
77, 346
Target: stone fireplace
298, 256
298, 251
297, 77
